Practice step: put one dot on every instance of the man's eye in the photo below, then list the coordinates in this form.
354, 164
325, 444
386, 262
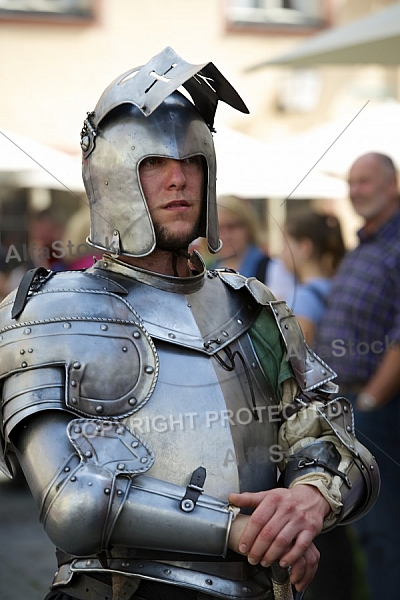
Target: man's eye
192, 160
150, 162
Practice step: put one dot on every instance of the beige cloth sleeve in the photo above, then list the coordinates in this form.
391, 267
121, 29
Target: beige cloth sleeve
302, 429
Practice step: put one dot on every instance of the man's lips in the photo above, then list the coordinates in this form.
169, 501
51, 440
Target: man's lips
177, 204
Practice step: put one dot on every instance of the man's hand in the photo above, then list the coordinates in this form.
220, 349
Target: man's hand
282, 526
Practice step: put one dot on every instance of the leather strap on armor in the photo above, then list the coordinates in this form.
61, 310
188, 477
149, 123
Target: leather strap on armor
193, 490
21, 297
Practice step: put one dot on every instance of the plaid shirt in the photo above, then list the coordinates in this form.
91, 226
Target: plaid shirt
362, 318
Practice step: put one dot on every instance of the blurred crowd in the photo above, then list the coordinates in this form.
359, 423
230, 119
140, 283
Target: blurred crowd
48, 242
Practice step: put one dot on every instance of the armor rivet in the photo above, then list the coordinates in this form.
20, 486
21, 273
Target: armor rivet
99, 428
73, 383
246, 590
188, 505
323, 371
209, 581
254, 365
149, 370
27, 330
77, 430
30, 350
125, 564
88, 563
240, 321
135, 444
121, 467
345, 409
115, 232
286, 326
348, 428
225, 333
67, 325
371, 467
67, 469
99, 409
22, 351
90, 483
106, 183
172, 336
24, 364
107, 491
287, 308
132, 147
104, 327
88, 454
74, 401
105, 264
73, 478
85, 143
119, 493
124, 349
143, 460
119, 430
132, 401
167, 571
136, 335
334, 408
77, 365
189, 306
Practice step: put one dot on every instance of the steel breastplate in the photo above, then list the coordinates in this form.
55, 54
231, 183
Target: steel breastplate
201, 413
151, 350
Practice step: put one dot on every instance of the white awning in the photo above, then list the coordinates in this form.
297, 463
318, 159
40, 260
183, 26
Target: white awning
249, 168
25, 162
374, 39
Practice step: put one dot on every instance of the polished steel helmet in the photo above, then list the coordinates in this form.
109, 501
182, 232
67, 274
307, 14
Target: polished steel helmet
141, 114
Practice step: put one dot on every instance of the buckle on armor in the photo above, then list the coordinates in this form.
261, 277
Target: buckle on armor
193, 490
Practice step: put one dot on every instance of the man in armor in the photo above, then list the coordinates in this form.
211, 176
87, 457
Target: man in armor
179, 437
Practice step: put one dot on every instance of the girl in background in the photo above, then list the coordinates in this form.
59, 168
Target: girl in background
245, 247
312, 251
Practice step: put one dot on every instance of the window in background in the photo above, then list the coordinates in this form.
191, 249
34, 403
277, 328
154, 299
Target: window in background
276, 14
53, 11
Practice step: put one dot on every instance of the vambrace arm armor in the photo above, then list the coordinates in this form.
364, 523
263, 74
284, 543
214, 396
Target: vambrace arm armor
345, 466
98, 495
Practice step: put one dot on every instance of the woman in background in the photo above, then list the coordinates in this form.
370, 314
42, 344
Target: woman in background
312, 251
245, 249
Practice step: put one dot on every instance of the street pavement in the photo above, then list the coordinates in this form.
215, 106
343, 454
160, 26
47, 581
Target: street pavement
27, 559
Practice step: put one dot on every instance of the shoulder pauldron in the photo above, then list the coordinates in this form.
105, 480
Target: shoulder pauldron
310, 370
90, 330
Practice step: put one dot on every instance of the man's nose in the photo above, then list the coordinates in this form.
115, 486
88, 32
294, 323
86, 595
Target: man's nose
176, 173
